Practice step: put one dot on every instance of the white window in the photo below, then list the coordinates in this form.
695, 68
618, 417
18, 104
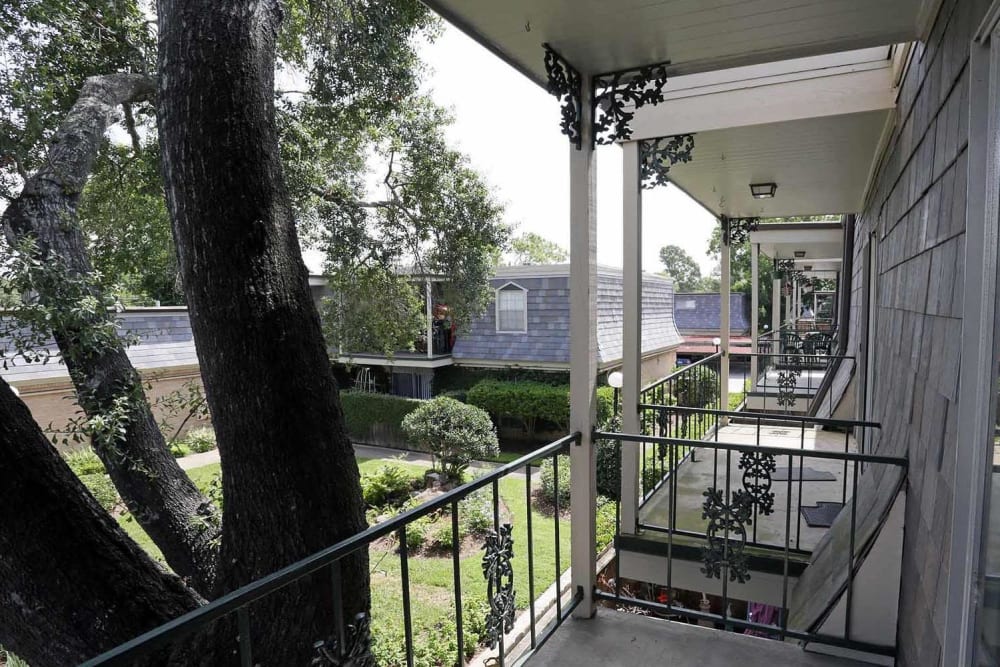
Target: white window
512, 309
687, 304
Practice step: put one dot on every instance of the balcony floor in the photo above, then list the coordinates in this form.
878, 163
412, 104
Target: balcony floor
615, 638
695, 476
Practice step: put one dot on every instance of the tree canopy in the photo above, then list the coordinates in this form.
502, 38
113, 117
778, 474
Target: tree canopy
681, 267
530, 248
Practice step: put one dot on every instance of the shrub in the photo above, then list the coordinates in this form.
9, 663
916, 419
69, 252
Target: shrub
389, 485
102, 489
455, 433
200, 440
609, 468
529, 401
179, 450
605, 523
85, 462
697, 388
416, 533
549, 482
364, 410
605, 405
442, 537
475, 513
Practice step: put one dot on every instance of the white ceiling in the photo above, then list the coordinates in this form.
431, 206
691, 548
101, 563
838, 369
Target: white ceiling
821, 166
822, 243
598, 36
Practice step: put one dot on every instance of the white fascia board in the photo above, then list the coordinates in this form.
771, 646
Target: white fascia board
784, 98
400, 362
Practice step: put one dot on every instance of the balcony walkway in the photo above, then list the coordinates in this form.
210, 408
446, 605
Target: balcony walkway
695, 476
615, 638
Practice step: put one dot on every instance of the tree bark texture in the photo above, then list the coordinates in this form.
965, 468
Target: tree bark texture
161, 497
72, 583
290, 479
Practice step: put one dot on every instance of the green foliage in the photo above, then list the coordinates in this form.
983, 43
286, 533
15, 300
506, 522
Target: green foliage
442, 538
455, 433
681, 267
10, 660
528, 400
102, 489
550, 483
85, 462
475, 512
609, 468
453, 378
389, 485
606, 523
179, 450
531, 248
373, 310
363, 410
200, 440
698, 387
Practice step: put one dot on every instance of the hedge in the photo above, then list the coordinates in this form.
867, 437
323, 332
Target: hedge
376, 418
532, 401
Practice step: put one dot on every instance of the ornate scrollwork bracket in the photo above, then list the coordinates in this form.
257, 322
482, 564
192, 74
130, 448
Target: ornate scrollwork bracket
565, 83
786, 268
757, 468
788, 380
499, 574
355, 651
736, 231
618, 94
657, 156
724, 520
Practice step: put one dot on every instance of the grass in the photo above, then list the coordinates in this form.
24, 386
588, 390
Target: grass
432, 594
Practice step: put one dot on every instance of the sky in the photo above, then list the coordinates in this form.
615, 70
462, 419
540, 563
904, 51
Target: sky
509, 128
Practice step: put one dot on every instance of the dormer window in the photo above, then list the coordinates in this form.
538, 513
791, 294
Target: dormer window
512, 309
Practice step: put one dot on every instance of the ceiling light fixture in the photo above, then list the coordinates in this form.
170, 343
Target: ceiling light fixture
763, 190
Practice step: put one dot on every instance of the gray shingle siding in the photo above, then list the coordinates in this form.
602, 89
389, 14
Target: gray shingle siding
165, 340
704, 315
547, 338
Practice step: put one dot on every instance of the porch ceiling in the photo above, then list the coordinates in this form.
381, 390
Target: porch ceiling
694, 35
820, 165
822, 243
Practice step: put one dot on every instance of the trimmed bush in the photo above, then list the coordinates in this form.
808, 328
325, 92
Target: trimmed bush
549, 482
102, 489
200, 440
698, 388
179, 450
389, 485
609, 468
363, 412
455, 433
530, 401
85, 462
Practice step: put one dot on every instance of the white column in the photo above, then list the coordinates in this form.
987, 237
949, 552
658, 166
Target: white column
724, 322
631, 332
775, 309
754, 304
583, 357
430, 319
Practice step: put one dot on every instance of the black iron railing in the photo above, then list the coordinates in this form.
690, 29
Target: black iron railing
351, 649
697, 385
787, 381
750, 492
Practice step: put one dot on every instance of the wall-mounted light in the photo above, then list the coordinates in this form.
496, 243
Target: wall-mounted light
799, 254
763, 190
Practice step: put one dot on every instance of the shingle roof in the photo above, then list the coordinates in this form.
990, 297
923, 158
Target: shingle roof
700, 313
165, 341
547, 337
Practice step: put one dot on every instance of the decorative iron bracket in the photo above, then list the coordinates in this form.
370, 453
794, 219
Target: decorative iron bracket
657, 156
566, 84
736, 231
499, 574
354, 651
786, 267
724, 519
788, 380
757, 468
616, 96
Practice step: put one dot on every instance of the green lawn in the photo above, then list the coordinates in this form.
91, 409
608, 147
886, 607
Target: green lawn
432, 579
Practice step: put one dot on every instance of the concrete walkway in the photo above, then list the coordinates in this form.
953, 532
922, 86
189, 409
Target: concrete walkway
361, 451
615, 638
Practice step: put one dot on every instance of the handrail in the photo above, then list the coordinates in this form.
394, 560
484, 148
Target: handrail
765, 416
762, 449
183, 626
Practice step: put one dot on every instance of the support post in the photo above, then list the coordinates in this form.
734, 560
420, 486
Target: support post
724, 308
776, 309
430, 319
754, 305
631, 332
583, 357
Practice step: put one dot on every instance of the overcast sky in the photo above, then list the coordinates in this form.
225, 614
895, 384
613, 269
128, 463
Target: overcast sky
509, 128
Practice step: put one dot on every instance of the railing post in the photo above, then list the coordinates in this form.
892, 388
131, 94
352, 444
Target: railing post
583, 357
631, 333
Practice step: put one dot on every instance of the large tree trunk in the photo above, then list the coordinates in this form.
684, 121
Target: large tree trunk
290, 480
159, 494
72, 583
